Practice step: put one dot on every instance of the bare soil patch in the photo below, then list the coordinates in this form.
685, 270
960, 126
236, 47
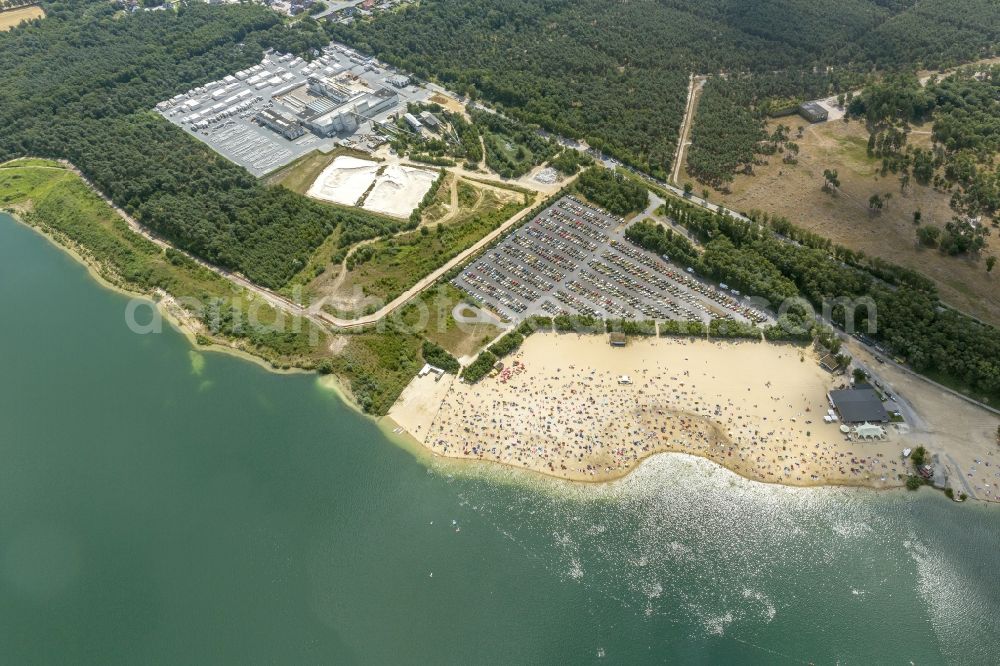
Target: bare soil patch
795, 191
11, 18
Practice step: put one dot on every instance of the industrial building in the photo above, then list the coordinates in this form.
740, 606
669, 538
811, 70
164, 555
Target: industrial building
399, 80
430, 120
268, 114
859, 405
813, 112
280, 123
412, 121
337, 103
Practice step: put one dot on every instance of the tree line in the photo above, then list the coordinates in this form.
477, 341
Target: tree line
909, 319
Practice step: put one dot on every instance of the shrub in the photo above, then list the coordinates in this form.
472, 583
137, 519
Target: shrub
507, 344
682, 328
725, 328
439, 357
480, 367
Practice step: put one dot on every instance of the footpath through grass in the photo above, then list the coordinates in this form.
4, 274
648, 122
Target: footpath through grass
385, 269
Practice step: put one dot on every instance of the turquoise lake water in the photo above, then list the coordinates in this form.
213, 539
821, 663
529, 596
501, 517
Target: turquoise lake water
164, 506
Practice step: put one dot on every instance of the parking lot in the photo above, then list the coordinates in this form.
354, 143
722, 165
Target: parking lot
574, 259
221, 113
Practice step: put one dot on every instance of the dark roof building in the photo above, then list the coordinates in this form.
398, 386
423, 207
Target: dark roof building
859, 406
813, 112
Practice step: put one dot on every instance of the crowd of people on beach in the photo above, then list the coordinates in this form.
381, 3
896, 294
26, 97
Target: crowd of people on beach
584, 423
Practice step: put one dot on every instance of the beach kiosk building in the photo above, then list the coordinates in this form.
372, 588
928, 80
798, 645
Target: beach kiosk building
860, 405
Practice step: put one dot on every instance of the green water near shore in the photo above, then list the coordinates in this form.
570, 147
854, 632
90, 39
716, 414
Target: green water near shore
161, 505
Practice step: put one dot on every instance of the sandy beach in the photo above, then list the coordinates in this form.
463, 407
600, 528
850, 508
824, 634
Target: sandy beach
756, 408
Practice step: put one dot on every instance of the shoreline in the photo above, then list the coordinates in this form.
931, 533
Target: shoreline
572, 419
164, 303
406, 439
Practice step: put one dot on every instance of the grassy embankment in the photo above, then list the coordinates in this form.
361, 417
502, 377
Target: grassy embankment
375, 365
55, 201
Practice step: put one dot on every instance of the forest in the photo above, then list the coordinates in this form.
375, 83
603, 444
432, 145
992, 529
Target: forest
79, 85
615, 73
728, 133
612, 191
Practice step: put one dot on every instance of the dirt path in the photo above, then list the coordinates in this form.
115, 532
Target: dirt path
695, 85
453, 203
316, 308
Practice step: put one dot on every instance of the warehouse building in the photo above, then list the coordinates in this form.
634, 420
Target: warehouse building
337, 104
283, 125
430, 120
813, 112
399, 80
412, 121
344, 118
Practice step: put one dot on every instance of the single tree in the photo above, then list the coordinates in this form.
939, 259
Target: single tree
831, 181
688, 188
916, 216
991, 261
875, 203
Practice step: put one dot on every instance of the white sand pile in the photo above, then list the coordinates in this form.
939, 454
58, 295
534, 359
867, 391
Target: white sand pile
344, 180
399, 190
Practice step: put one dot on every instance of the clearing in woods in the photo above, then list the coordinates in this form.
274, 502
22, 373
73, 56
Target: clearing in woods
795, 191
11, 18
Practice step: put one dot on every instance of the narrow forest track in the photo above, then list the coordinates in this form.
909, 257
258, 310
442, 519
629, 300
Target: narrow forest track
695, 85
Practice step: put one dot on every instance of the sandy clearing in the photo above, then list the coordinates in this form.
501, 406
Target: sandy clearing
344, 180
11, 18
399, 190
